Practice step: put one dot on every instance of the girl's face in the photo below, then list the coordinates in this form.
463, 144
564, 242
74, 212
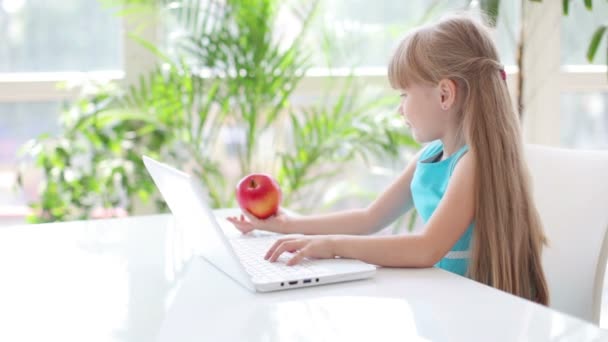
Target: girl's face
421, 109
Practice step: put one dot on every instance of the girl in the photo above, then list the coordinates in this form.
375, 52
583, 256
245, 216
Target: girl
469, 184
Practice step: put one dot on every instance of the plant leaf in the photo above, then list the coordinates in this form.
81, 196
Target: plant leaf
595, 42
149, 46
566, 7
490, 7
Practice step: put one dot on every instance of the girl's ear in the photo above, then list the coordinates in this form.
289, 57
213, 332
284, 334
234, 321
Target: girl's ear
447, 93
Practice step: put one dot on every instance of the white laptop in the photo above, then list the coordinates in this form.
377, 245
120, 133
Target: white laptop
242, 256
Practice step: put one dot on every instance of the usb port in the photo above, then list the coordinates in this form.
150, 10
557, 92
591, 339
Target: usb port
293, 282
307, 281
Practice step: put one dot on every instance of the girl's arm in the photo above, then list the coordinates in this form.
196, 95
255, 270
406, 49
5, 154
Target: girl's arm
450, 220
392, 203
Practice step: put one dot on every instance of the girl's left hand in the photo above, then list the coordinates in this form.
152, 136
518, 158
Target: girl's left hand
319, 247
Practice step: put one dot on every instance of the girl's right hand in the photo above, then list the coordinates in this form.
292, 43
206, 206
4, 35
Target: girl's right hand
247, 222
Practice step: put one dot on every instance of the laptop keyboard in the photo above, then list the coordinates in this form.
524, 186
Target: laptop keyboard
251, 252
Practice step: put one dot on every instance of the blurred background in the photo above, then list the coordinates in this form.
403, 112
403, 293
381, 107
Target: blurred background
223, 88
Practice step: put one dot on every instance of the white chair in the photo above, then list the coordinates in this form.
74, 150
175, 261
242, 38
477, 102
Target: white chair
570, 188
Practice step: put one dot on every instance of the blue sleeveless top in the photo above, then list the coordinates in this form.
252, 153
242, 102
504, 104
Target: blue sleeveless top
428, 186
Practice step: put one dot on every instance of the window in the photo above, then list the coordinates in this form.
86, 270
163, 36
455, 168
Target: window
43, 43
20, 123
43, 40
584, 114
67, 35
585, 120
23, 121
364, 35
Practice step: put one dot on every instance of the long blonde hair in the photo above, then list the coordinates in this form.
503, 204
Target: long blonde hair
508, 237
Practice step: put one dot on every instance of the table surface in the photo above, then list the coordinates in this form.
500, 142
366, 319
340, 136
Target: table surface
140, 279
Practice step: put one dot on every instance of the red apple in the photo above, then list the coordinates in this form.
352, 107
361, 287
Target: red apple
259, 194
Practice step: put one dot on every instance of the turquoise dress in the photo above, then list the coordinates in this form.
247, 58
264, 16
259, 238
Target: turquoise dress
428, 186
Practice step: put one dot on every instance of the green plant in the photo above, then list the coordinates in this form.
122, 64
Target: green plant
325, 138
222, 72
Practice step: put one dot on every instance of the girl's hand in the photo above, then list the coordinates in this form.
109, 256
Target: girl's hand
247, 222
319, 247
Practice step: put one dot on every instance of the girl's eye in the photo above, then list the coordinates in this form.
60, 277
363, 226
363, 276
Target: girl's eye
403, 96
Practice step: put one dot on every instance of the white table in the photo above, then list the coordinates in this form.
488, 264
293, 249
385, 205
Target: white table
135, 279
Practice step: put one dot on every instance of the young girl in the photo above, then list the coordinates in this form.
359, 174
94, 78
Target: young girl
469, 184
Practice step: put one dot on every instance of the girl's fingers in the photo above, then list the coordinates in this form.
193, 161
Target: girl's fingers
246, 228
301, 254
274, 246
271, 249
234, 219
251, 218
241, 225
288, 246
